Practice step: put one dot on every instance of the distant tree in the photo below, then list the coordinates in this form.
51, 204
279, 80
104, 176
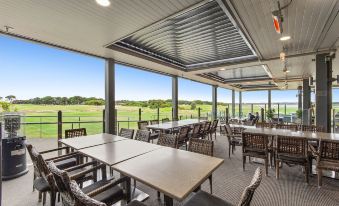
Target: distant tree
96, 102
76, 100
48, 100
193, 105
10, 98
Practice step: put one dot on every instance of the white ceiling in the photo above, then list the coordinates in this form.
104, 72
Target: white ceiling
84, 26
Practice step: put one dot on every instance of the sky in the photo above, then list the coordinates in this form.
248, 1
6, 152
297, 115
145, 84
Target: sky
29, 70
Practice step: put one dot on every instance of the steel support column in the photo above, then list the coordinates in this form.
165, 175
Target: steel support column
214, 102
233, 103
323, 91
175, 97
240, 104
300, 96
110, 97
269, 99
306, 102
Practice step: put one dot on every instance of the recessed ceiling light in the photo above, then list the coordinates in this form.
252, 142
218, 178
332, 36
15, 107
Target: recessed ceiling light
104, 3
285, 38
223, 69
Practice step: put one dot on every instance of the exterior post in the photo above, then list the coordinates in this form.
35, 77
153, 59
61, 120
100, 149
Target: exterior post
214, 102
158, 114
240, 104
175, 97
269, 99
103, 120
110, 97
199, 110
306, 102
323, 91
233, 103
300, 98
139, 114
252, 108
59, 130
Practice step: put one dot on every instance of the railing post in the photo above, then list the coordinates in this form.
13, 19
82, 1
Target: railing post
252, 108
265, 111
103, 121
139, 114
333, 120
278, 113
262, 115
59, 130
158, 113
199, 113
227, 114
79, 121
116, 131
285, 109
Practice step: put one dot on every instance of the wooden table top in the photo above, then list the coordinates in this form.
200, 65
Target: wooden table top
176, 173
115, 152
174, 124
90, 140
286, 132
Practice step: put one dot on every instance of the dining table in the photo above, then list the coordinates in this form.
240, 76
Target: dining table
173, 172
174, 124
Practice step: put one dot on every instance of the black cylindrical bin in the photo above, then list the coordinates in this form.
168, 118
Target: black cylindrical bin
13, 157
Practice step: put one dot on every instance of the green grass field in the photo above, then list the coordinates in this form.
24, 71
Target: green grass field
47, 114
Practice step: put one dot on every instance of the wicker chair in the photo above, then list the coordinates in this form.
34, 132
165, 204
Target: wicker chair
233, 139
127, 133
213, 129
105, 190
205, 129
311, 128
155, 121
143, 135
142, 125
204, 147
255, 145
292, 127
183, 136
202, 198
81, 199
292, 150
203, 118
70, 133
168, 140
195, 131
263, 125
327, 157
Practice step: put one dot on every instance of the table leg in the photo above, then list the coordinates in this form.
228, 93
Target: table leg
168, 201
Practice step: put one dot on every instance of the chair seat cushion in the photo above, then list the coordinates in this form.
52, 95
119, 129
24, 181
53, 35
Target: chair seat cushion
109, 196
66, 163
202, 198
329, 165
154, 136
41, 184
292, 158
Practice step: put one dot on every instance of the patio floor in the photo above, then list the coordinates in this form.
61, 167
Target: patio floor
228, 182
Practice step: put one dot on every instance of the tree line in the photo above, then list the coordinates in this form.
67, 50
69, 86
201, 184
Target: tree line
75, 100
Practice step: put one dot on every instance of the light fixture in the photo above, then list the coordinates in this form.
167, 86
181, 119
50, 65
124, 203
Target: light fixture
285, 38
104, 3
282, 56
223, 69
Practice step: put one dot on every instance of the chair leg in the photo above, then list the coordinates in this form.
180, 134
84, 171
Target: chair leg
135, 183
320, 176
211, 182
266, 166
34, 177
44, 198
158, 194
40, 196
306, 172
229, 150
52, 198
277, 169
243, 162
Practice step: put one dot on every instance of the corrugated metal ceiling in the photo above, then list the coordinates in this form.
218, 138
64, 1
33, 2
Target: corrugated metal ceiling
202, 36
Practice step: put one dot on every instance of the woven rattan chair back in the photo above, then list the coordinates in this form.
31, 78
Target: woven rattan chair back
291, 145
312, 128
215, 124
34, 157
203, 118
264, 125
228, 130
248, 193
127, 133
254, 142
70, 133
292, 127
164, 120
207, 126
143, 135
329, 150
62, 182
142, 125
201, 146
196, 130
183, 134
81, 199
152, 122
168, 140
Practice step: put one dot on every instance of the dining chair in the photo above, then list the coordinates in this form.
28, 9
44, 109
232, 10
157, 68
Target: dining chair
127, 133
143, 135
142, 125
213, 129
292, 150
203, 118
183, 136
327, 157
155, 121
206, 129
164, 120
168, 140
202, 198
264, 125
195, 131
292, 127
82, 199
311, 128
204, 147
104, 190
255, 145
70, 133
234, 140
